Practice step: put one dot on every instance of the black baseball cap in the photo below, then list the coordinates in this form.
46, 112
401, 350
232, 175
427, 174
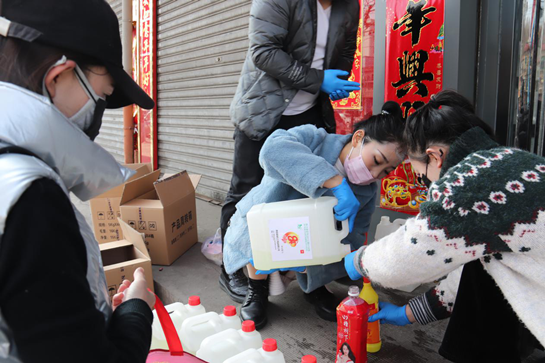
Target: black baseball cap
88, 27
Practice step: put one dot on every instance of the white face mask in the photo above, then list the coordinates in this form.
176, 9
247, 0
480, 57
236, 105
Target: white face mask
89, 118
84, 117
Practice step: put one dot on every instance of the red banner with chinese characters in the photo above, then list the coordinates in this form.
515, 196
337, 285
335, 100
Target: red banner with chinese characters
414, 72
146, 62
359, 105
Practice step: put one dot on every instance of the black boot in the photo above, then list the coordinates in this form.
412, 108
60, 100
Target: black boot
256, 302
324, 302
235, 285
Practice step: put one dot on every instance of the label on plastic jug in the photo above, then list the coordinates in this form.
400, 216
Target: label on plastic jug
290, 239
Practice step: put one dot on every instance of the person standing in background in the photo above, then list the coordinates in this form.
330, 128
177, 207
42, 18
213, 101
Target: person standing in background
298, 52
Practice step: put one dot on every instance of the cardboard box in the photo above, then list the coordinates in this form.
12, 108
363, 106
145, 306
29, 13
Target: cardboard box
165, 211
122, 258
105, 208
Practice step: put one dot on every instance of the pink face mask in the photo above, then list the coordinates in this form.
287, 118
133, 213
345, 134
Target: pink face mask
356, 170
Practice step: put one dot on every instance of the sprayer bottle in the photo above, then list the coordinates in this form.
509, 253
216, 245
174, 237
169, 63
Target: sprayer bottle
373, 329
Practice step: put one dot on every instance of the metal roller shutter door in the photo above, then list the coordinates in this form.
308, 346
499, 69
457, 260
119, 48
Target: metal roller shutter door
201, 49
111, 132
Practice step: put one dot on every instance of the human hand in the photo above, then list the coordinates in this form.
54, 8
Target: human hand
138, 289
338, 95
350, 266
348, 205
118, 298
268, 272
391, 314
332, 82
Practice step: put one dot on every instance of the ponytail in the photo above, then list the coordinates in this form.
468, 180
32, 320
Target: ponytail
441, 121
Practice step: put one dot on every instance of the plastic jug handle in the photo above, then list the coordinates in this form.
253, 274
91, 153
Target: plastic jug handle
173, 340
338, 224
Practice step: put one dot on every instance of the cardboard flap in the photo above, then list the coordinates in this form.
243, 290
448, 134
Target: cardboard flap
174, 188
195, 179
137, 187
141, 170
136, 238
113, 245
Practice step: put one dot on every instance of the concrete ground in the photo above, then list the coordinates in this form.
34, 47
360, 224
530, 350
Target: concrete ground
292, 321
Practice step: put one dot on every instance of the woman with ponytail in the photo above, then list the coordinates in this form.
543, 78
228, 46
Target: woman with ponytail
308, 162
481, 233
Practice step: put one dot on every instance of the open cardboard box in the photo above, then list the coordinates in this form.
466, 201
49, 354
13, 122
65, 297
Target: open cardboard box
105, 208
122, 258
165, 211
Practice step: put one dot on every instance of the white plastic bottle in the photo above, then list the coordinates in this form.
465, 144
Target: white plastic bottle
178, 313
385, 227
221, 346
301, 232
197, 328
269, 353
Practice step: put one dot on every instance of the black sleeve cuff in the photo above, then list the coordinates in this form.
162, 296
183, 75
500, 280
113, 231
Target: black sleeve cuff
137, 306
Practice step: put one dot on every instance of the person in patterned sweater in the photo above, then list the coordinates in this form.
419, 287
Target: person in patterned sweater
480, 232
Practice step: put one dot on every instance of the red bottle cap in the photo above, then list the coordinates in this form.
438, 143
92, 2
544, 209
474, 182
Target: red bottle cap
269, 345
248, 326
309, 359
229, 310
366, 280
194, 300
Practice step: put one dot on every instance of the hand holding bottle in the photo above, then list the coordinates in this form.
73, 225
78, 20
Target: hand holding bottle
391, 314
348, 205
350, 266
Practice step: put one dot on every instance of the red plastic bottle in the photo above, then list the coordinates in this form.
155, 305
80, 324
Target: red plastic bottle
352, 315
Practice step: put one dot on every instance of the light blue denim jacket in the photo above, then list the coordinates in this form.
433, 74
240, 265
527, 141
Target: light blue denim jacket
297, 162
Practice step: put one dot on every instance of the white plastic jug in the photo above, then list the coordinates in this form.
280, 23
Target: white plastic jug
301, 232
221, 346
196, 329
178, 313
384, 228
269, 353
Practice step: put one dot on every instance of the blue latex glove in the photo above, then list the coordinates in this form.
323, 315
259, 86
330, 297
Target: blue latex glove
268, 272
332, 82
348, 205
390, 314
338, 95
350, 267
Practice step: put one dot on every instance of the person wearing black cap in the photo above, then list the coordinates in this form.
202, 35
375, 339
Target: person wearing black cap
60, 67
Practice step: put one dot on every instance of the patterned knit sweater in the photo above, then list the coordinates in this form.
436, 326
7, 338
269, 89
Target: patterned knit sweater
489, 204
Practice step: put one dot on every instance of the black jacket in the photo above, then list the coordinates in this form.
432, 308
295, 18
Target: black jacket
44, 293
278, 64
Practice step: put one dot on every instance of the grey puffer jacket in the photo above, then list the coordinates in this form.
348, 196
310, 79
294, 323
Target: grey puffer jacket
278, 64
